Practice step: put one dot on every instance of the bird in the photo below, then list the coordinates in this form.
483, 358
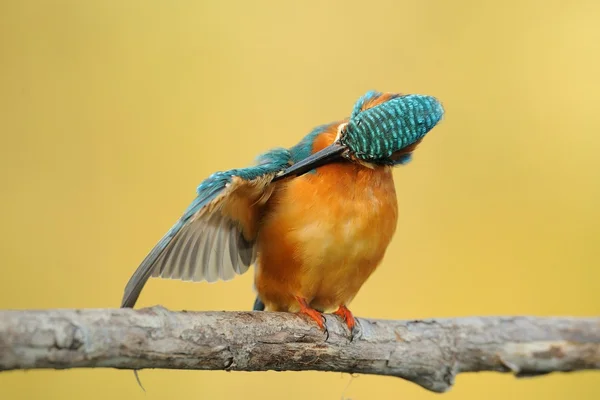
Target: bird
314, 219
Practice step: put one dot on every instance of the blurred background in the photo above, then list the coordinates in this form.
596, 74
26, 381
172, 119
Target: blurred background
112, 112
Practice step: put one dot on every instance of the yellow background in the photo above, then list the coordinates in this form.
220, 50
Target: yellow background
111, 112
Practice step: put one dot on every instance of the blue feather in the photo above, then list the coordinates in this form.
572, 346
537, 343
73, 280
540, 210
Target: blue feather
361, 102
305, 147
403, 160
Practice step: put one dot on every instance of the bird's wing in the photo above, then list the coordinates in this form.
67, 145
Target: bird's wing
215, 237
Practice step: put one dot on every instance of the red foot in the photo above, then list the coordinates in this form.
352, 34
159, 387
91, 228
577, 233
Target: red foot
346, 316
311, 312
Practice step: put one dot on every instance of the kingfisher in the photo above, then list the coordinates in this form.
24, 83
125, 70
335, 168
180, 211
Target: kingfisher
315, 219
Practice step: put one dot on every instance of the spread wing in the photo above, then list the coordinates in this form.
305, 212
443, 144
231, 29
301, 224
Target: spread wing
215, 237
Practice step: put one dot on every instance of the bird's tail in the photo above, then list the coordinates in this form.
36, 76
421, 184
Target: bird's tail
258, 305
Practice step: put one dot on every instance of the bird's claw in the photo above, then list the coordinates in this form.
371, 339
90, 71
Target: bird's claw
354, 332
346, 316
314, 315
349, 319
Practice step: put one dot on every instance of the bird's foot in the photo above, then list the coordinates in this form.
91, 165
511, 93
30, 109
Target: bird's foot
311, 312
347, 317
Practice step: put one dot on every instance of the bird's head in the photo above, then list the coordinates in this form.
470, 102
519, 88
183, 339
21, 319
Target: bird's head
383, 129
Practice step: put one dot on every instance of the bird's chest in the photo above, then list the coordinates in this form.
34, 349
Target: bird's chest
323, 235
342, 219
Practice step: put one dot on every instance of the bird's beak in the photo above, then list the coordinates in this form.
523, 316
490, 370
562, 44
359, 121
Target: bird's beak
329, 154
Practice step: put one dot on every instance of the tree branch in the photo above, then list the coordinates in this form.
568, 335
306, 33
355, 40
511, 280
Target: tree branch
427, 352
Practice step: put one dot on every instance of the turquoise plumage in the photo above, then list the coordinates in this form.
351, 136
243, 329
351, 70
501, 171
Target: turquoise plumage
375, 134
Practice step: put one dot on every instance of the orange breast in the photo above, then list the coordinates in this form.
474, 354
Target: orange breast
323, 235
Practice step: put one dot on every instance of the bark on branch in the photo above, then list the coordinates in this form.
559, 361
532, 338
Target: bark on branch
429, 353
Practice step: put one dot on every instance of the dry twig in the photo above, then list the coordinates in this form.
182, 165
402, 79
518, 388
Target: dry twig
427, 352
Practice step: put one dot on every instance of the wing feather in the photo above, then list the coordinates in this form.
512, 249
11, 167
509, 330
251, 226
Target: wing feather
247, 253
190, 270
235, 252
183, 254
227, 270
214, 262
203, 261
